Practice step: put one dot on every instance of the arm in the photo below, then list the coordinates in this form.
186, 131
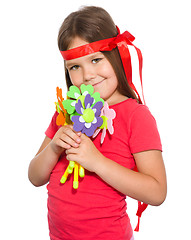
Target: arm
148, 185
43, 163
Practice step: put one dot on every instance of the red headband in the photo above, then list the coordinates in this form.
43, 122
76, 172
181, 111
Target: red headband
121, 41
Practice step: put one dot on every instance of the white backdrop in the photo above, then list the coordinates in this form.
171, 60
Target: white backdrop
30, 69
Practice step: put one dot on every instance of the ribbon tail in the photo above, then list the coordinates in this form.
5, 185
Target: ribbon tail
141, 209
126, 60
140, 57
137, 227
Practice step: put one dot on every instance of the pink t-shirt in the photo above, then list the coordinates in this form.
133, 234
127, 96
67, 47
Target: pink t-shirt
96, 210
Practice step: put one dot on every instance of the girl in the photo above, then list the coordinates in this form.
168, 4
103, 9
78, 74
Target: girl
97, 209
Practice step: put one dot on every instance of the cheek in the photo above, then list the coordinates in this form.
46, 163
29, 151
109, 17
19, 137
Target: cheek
107, 70
75, 78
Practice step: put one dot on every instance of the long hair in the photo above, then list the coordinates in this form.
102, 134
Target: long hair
93, 24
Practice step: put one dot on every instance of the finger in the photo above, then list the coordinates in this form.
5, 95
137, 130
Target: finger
71, 127
79, 133
68, 140
71, 133
71, 157
62, 144
72, 151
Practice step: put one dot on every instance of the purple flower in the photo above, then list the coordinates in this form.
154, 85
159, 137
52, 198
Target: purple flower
89, 118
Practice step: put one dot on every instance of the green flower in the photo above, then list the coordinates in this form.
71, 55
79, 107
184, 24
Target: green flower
75, 94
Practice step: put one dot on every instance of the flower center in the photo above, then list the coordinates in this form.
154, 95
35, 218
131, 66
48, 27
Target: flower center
88, 115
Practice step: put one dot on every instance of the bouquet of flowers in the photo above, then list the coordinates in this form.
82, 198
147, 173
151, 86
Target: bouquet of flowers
88, 113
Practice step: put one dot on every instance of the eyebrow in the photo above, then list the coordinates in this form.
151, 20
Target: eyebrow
68, 65
74, 62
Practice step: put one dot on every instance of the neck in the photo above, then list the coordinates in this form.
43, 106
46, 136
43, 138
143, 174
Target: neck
116, 98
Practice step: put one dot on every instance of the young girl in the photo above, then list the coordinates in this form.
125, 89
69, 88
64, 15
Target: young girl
97, 209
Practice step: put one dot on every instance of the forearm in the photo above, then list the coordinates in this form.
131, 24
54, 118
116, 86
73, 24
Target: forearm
41, 166
133, 184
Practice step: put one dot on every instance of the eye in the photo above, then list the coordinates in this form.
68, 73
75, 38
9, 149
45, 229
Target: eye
96, 60
75, 67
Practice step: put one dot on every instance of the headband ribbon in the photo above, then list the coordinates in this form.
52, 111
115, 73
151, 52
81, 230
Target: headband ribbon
121, 41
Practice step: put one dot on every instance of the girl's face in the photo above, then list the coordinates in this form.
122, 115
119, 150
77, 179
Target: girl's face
96, 70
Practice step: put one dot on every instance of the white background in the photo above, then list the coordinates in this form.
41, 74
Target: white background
30, 69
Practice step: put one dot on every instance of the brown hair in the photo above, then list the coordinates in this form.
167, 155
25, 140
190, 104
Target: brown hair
93, 24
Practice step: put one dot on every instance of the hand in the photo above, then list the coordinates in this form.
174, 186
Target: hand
87, 155
65, 138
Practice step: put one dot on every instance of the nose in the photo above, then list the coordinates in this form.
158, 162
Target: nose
88, 73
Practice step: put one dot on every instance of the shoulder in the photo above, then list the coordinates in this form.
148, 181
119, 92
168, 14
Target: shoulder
130, 109
136, 115
143, 130
135, 125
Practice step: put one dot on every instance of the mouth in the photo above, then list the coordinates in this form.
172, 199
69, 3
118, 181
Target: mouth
98, 83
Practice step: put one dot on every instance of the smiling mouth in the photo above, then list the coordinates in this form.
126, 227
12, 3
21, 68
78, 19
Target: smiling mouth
96, 84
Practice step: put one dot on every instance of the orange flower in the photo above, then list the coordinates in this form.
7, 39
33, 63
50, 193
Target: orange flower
61, 118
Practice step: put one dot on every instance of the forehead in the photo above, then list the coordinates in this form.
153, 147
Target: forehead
77, 42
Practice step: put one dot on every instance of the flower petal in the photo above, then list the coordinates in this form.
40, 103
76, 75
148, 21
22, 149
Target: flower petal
111, 113
79, 107
68, 105
82, 110
61, 119
81, 119
87, 89
94, 121
73, 103
85, 93
96, 132
97, 98
77, 95
73, 91
99, 122
110, 126
78, 126
103, 135
88, 125
98, 107
88, 101
89, 131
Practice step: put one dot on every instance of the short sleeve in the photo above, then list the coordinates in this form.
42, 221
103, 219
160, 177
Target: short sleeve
144, 133
53, 128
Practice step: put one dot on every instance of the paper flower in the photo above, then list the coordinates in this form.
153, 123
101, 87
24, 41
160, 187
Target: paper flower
85, 109
107, 115
74, 94
89, 118
61, 118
